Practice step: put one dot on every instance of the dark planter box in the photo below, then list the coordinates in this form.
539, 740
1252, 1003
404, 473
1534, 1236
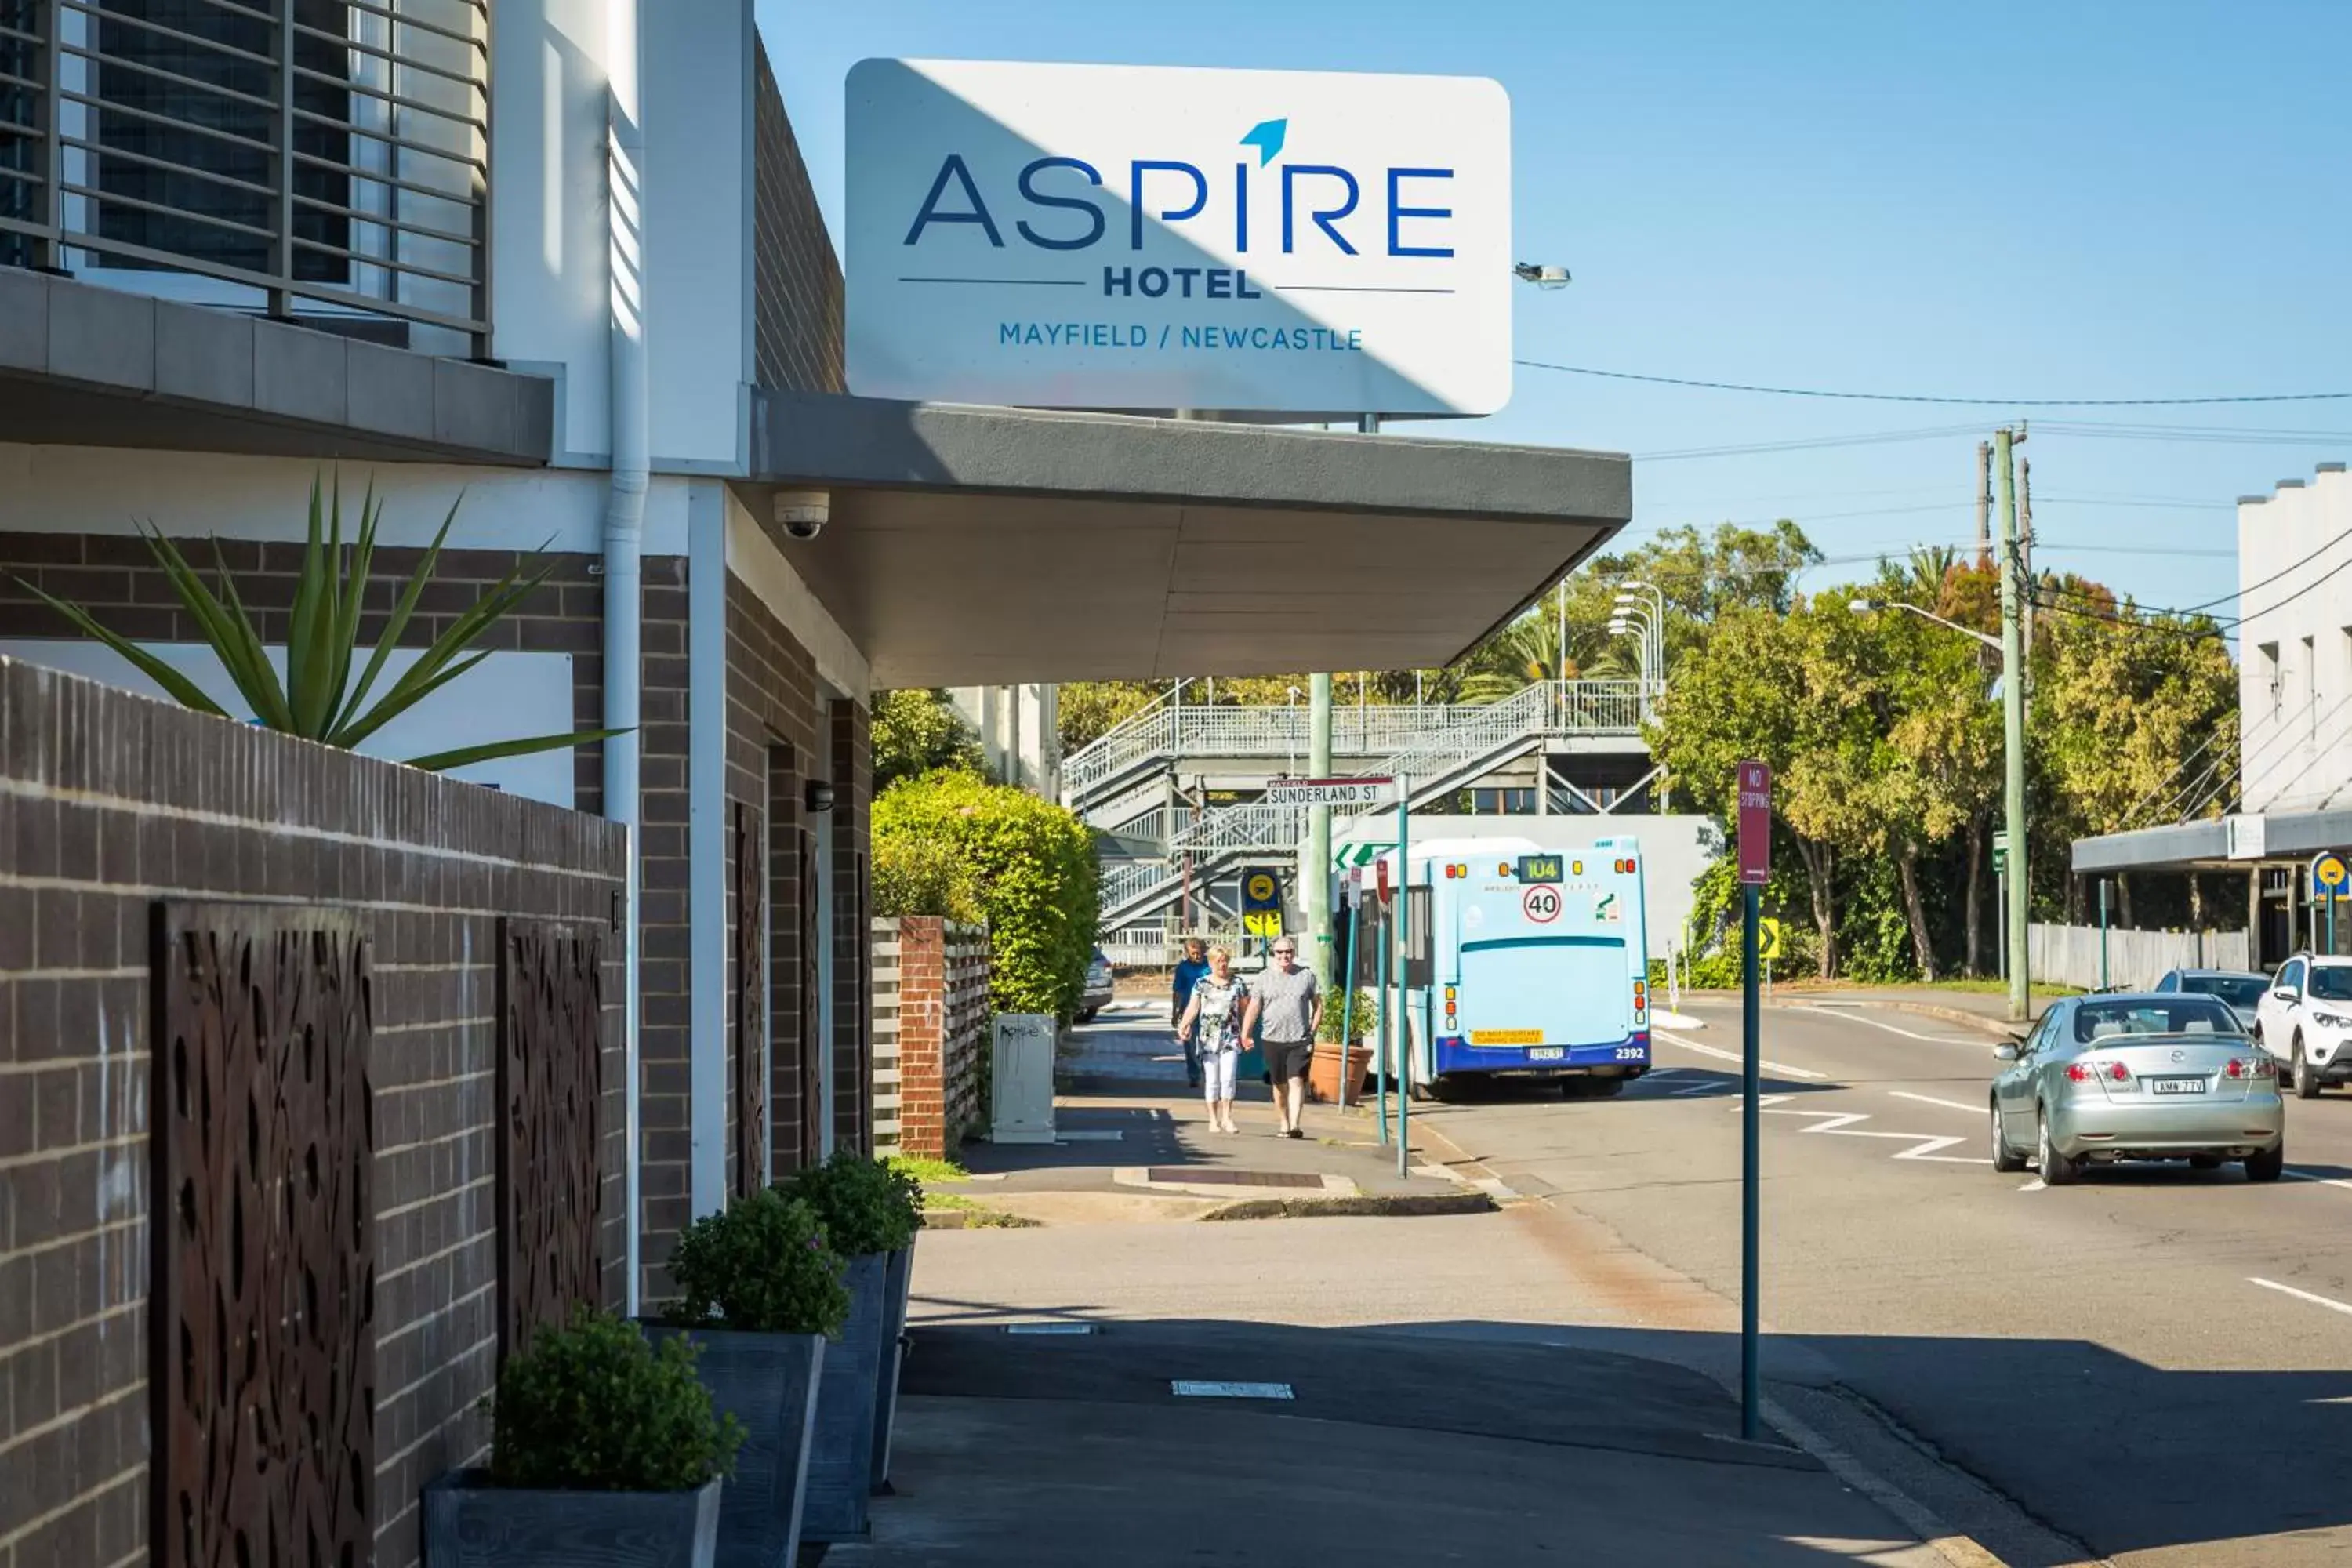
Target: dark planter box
769, 1383
841, 1466
899, 1276
469, 1523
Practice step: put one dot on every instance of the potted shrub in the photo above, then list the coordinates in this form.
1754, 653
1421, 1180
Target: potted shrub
869, 1211
604, 1448
1336, 1058
759, 1290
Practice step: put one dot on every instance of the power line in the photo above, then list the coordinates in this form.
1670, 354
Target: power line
1922, 397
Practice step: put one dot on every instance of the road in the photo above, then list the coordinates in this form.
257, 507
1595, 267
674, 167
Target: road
2157, 1361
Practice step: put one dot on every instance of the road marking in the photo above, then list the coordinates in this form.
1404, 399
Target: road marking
1189, 1388
2322, 1181
1841, 1124
1931, 1100
2034, 1186
2327, 1301
1781, 1068
1713, 1087
1875, 1024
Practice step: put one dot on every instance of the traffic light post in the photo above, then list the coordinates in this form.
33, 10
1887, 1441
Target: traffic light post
1755, 870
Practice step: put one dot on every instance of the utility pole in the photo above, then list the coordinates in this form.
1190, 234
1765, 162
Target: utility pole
2025, 547
1984, 504
2012, 705
1315, 891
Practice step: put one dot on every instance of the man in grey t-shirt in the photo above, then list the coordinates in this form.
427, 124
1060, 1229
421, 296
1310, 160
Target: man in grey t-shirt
1287, 1004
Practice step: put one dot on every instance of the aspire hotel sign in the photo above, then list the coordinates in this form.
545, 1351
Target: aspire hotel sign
1280, 242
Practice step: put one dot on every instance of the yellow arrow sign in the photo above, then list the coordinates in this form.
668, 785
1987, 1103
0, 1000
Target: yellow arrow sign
1767, 940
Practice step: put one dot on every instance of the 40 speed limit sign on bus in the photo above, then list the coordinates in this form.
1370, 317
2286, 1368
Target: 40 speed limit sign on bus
1541, 903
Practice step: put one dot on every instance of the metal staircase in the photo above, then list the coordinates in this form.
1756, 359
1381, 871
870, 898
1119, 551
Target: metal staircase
1435, 759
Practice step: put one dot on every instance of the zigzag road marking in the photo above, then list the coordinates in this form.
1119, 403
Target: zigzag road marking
1843, 1124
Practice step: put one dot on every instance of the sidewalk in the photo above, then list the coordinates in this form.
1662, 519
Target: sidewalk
1075, 1449
1135, 1144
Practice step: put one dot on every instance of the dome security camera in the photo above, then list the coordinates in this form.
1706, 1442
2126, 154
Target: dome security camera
802, 514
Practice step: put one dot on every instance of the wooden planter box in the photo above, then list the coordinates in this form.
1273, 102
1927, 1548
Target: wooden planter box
899, 1276
769, 1383
841, 1458
470, 1523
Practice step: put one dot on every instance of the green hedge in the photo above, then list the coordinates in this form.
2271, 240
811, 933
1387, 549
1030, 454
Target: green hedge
955, 845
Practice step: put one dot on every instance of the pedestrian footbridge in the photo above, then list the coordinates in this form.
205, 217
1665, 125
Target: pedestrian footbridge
1160, 848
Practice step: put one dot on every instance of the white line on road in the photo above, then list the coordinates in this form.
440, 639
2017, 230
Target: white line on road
2032, 1186
1841, 1124
1781, 1068
1907, 1034
2327, 1301
2322, 1181
1931, 1100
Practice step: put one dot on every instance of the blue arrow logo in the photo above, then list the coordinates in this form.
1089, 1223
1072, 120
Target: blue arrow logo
1267, 136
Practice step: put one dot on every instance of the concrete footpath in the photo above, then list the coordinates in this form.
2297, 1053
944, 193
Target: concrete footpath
1303, 1444
1386, 1388
1134, 1142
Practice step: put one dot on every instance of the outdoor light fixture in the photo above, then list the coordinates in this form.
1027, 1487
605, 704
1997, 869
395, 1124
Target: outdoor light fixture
1862, 606
1541, 276
818, 795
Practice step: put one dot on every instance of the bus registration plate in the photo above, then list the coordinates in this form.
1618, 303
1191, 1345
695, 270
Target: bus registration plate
1507, 1037
1547, 1053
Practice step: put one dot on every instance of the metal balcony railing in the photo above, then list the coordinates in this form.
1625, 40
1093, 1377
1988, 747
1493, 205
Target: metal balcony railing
332, 150
1164, 729
1437, 758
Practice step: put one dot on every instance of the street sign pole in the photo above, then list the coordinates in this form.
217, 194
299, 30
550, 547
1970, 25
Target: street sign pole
1755, 870
1348, 980
1403, 946
1388, 1012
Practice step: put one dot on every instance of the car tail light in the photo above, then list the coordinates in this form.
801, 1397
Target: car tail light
2262, 1066
2078, 1072
2118, 1073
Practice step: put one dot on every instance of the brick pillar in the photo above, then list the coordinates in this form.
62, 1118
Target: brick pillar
923, 1036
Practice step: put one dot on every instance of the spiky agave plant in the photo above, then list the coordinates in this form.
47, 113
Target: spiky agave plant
318, 700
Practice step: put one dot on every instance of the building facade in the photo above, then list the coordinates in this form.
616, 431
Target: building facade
551, 273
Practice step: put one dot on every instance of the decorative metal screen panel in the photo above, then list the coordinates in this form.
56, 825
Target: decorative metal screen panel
751, 1000
550, 1081
337, 150
811, 1047
263, 1316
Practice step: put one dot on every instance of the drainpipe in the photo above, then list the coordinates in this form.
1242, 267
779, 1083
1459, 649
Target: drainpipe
624, 525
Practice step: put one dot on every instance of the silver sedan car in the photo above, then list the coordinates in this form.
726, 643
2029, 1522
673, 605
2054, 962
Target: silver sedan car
2154, 1076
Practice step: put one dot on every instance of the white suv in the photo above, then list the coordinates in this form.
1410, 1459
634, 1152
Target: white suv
2304, 1021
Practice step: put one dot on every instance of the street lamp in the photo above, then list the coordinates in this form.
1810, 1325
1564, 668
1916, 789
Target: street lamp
1542, 276
1641, 604
1865, 606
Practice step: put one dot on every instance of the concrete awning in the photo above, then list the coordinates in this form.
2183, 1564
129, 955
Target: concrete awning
984, 546
2242, 841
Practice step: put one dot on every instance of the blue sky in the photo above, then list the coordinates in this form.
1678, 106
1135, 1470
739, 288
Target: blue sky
2092, 199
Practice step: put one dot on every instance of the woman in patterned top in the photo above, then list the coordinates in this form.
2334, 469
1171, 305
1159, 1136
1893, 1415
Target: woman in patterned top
1222, 1007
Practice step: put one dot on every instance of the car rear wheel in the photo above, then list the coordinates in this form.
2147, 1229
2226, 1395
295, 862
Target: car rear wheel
2004, 1158
2306, 1082
2269, 1166
2057, 1170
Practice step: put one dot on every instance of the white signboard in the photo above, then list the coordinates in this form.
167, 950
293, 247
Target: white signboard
1329, 791
1306, 244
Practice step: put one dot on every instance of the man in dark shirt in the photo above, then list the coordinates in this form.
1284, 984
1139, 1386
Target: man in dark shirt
1194, 964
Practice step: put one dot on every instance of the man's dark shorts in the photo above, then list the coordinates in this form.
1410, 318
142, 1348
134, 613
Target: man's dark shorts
1287, 1059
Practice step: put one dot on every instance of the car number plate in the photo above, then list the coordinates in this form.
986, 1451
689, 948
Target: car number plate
2176, 1086
1547, 1053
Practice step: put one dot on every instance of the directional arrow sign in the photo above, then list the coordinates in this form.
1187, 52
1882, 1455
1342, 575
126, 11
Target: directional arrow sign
1330, 791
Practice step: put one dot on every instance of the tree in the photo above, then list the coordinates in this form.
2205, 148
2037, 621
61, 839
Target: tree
915, 732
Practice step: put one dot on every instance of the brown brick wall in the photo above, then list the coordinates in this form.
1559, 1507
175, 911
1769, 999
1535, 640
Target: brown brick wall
797, 279
116, 580
108, 802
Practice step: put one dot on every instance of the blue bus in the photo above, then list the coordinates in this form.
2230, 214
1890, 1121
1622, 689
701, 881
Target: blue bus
1527, 963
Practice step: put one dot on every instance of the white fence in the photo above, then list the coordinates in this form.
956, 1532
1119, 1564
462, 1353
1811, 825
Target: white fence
2069, 955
